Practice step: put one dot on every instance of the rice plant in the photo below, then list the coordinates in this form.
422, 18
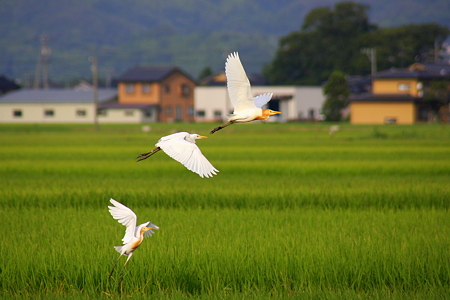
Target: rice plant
293, 213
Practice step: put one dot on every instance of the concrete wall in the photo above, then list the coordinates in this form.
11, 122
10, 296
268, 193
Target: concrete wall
209, 99
308, 99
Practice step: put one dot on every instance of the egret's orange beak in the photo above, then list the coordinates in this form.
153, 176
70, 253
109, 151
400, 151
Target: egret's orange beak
204, 137
274, 112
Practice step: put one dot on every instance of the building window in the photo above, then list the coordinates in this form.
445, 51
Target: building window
166, 88
81, 112
129, 113
403, 87
129, 88
148, 113
49, 112
102, 112
185, 89
201, 113
168, 111
17, 113
190, 111
217, 114
146, 89
390, 120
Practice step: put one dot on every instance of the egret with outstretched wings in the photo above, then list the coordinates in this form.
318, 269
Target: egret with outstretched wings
246, 108
134, 235
181, 146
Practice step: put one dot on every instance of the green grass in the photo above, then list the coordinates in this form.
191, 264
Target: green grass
293, 213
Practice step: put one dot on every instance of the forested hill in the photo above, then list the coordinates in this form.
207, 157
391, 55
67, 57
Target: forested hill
191, 34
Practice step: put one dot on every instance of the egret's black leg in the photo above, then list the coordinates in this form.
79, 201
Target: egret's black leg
222, 126
112, 271
147, 155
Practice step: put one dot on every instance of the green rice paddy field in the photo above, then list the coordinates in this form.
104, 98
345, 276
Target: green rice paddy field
293, 213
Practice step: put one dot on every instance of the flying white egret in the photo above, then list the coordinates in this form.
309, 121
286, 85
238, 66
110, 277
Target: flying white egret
246, 108
133, 235
181, 147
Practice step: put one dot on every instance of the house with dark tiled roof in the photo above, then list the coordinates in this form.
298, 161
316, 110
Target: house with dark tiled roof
398, 95
165, 94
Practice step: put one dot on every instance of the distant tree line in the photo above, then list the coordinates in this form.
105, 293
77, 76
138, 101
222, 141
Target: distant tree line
332, 38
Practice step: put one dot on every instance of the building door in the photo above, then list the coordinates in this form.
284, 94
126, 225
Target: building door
274, 104
179, 113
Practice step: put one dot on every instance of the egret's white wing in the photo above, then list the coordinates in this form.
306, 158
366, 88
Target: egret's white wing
238, 84
126, 217
173, 136
188, 154
261, 100
200, 165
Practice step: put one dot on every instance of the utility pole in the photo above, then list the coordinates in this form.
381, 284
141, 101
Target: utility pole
94, 68
371, 54
42, 66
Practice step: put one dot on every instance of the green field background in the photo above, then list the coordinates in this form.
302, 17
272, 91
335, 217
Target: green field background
293, 212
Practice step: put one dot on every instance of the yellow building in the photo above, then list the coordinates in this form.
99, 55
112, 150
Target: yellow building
397, 96
383, 110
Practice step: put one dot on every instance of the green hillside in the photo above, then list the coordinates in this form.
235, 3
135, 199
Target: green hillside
191, 34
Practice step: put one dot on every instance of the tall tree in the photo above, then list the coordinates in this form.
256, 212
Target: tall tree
328, 40
336, 92
401, 46
331, 39
438, 92
206, 72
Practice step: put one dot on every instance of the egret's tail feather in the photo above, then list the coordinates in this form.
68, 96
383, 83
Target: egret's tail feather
147, 155
118, 249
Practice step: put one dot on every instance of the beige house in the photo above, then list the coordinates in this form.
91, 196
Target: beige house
53, 106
